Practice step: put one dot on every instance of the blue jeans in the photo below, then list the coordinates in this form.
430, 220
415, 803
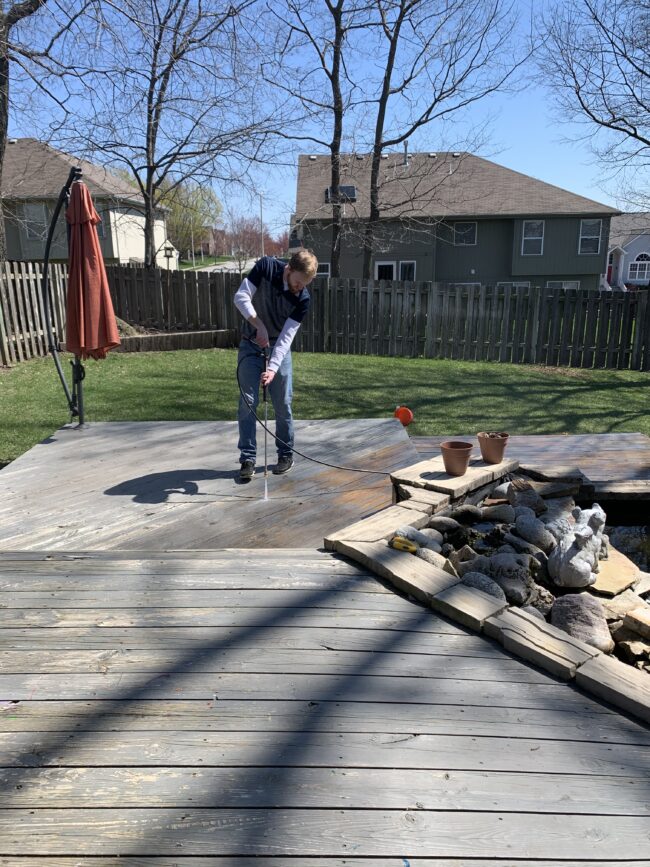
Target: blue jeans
251, 367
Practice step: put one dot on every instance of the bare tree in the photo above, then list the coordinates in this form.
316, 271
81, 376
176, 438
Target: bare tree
34, 58
311, 65
171, 95
245, 238
436, 58
596, 60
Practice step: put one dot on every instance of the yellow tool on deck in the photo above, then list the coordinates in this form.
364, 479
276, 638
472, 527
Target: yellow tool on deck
401, 543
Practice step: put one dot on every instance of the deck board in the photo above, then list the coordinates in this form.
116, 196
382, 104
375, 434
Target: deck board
297, 722
117, 485
603, 457
186, 680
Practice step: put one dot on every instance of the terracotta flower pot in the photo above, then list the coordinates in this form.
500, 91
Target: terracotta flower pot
455, 456
493, 445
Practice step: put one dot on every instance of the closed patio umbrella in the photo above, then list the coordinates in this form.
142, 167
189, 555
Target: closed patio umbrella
91, 329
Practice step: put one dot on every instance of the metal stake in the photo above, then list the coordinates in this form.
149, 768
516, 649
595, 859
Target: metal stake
266, 424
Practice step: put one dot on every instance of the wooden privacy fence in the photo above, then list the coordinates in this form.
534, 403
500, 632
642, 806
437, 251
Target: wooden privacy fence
576, 328
23, 332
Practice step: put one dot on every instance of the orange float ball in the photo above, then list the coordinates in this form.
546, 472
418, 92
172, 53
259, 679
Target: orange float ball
404, 414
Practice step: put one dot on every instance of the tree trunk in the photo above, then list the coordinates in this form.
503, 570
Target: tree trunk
335, 260
4, 114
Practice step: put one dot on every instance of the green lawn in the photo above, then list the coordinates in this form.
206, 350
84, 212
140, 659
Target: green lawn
447, 397
186, 265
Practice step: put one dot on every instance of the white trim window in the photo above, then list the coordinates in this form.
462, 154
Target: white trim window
407, 269
640, 268
562, 284
385, 270
514, 284
323, 270
532, 238
465, 234
36, 222
590, 232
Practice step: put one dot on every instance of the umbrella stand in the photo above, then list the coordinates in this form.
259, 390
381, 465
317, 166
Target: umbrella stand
74, 397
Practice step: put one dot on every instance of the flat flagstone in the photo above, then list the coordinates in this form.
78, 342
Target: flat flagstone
430, 474
621, 684
615, 574
639, 620
381, 525
467, 605
539, 642
408, 573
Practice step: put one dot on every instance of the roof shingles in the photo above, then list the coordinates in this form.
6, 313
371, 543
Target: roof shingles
439, 186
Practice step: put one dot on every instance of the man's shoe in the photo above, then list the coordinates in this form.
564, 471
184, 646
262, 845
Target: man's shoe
247, 471
283, 465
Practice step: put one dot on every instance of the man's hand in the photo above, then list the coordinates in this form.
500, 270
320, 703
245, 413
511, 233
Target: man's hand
267, 377
262, 335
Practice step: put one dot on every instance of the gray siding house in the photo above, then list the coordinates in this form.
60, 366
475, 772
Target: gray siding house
33, 175
454, 217
629, 251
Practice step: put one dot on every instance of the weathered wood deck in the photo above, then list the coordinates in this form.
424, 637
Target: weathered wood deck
281, 707
158, 485
286, 706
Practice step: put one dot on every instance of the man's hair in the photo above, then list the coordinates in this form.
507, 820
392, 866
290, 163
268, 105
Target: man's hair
305, 262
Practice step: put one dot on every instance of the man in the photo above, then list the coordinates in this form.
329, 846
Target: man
273, 300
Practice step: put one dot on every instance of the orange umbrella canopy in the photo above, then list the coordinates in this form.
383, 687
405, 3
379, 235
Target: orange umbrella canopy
91, 329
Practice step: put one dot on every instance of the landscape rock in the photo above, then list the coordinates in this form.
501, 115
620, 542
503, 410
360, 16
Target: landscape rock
504, 514
642, 586
541, 599
639, 621
520, 493
420, 537
443, 524
634, 651
436, 560
466, 553
533, 530
617, 608
466, 514
529, 609
581, 615
433, 534
482, 582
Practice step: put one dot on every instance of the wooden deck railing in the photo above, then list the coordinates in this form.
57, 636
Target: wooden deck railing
565, 327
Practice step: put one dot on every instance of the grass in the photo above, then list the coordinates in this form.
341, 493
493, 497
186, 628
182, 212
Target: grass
187, 265
447, 397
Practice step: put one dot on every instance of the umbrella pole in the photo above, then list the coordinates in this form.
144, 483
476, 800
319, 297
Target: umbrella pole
52, 341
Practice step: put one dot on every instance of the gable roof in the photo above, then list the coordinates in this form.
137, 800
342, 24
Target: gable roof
34, 170
441, 185
627, 227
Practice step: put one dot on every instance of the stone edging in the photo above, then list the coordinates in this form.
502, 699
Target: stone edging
427, 490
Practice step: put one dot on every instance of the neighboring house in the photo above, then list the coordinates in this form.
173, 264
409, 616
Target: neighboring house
453, 217
629, 251
33, 175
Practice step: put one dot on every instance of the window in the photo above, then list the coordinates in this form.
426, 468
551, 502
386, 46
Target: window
640, 268
464, 234
407, 269
562, 284
323, 269
36, 222
384, 270
101, 227
589, 237
345, 193
532, 240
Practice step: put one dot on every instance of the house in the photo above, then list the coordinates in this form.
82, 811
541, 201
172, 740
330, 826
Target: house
453, 218
33, 175
628, 264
